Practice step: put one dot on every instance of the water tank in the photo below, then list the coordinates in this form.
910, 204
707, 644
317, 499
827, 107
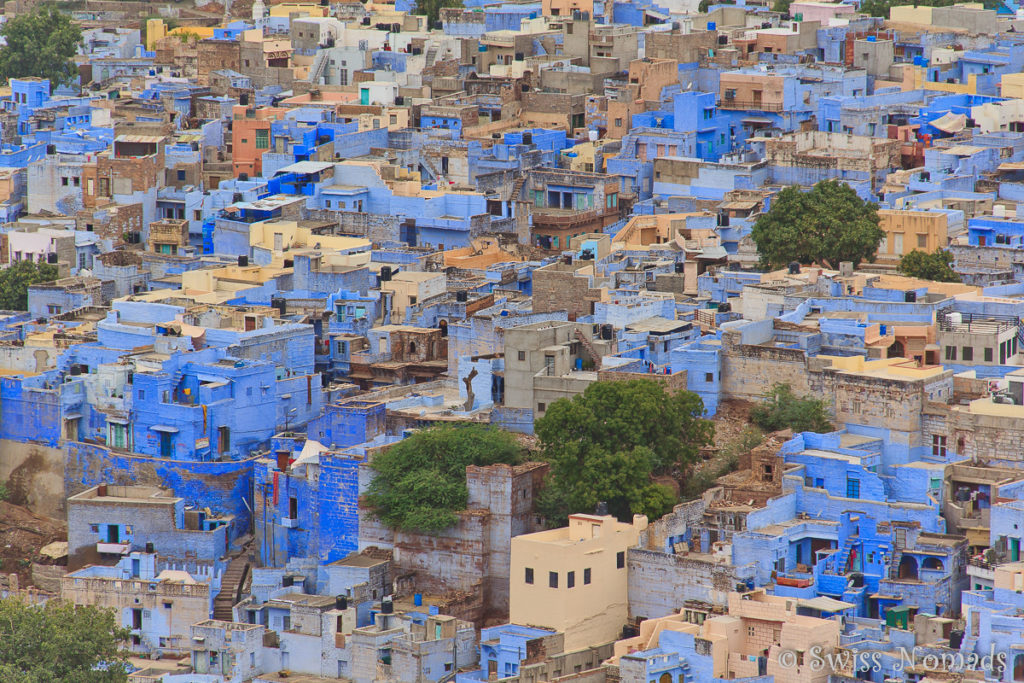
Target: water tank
955, 318
243, 261
794, 268
51, 149
385, 273
280, 303
680, 267
287, 581
712, 26
243, 176
340, 602
910, 297
387, 606
76, 370
527, 138
243, 99
462, 296
607, 332
149, 547
724, 308
51, 258
592, 135
956, 636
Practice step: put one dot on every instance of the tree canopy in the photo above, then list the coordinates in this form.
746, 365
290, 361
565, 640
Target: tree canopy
59, 641
40, 44
15, 281
880, 8
421, 480
432, 9
827, 225
937, 266
782, 409
606, 444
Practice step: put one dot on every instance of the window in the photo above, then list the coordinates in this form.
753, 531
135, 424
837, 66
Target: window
53, 309
553, 579
77, 181
950, 353
618, 123
262, 139
181, 174
522, 355
750, 632
586, 576
64, 181
570, 580
293, 507
620, 559
938, 445
116, 435
709, 377
541, 407
852, 488
967, 353
224, 439
988, 354
529, 575
922, 241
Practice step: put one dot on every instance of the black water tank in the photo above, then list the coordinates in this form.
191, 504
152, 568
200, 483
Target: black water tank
910, 297
387, 606
75, 370
956, 638
527, 138
51, 149
243, 99
287, 581
51, 258
462, 296
601, 509
723, 40
794, 268
280, 303
385, 273
724, 308
243, 261
607, 331
340, 602
680, 267
243, 176
149, 547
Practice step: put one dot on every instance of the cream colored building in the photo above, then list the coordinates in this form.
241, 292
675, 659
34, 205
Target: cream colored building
573, 579
409, 288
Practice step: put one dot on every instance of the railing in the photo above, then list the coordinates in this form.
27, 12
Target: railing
758, 105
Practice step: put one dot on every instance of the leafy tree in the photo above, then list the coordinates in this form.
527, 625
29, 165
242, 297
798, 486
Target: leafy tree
827, 225
432, 9
15, 281
702, 7
607, 443
60, 641
782, 409
728, 461
41, 44
781, 6
421, 480
937, 266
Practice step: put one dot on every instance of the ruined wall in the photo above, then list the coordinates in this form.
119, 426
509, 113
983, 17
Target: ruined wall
748, 370
34, 475
659, 583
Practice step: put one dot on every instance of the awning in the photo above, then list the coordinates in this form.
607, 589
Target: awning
149, 139
118, 420
950, 123
824, 604
72, 416
756, 119
164, 428
962, 150
1012, 166
303, 167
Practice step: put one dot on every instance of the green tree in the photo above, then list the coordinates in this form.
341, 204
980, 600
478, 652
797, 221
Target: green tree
432, 9
40, 44
781, 6
827, 225
15, 281
606, 444
937, 266
421, 480
782, 409
60, 641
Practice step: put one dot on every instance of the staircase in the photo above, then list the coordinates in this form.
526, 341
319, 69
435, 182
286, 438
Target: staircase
594, 355
319, 65
843, 557
431, 55
517, 188
232, 584
894, 564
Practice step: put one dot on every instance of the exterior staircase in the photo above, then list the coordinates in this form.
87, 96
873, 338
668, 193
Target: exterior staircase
232, 584
591, 351
894, 564
430, 56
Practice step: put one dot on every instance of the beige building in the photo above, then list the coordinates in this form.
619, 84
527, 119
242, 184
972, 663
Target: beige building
409, 288
907, 230
573, 579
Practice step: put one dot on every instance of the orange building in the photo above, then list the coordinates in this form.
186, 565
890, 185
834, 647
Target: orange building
250, 137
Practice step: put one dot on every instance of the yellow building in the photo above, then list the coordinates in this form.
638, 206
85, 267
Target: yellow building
573, 579
906, 231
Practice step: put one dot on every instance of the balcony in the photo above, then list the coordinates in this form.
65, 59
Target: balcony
290, 523
756, 105
113, 548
